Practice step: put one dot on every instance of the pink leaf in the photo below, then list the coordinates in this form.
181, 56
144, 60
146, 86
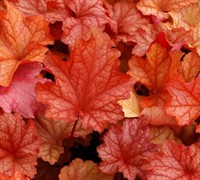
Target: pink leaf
20, 95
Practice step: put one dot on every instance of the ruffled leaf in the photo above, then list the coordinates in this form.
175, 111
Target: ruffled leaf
128, 19
87, 86
185, 102
52, 133
126, 148
52, 10
20, 95
190, 66
19, 146
160, 8
87, 13
144, 36
157, 116
175, 162
161, 133
22, 39
155, 72
80, 170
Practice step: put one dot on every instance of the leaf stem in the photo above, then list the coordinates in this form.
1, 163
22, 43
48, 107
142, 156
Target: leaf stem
66, 156
73, 129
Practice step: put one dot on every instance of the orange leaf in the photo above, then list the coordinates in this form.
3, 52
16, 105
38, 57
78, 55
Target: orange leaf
187, 17
190, 66
19, 146
185, 102
131, 107
160, 8
79, 170
128, 19
154, 72
52, 133
87, 86
21, 39
157, 116
195, 43
161, 133
191, 14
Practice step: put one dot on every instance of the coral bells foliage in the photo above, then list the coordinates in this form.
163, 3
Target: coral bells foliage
99, 89
87, 86
127, 148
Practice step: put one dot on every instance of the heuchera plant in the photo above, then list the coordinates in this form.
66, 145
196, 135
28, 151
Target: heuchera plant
99, 89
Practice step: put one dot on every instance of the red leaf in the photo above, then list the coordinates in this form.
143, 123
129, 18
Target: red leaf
52, 10
161, 39
126, 148
87, 86
19, 146
88, 13
177, 37
176, 162
185, 102
79, 170
20, 95
21, 39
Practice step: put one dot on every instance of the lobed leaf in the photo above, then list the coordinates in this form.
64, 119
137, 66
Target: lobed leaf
52, 10
160, 8
175, 162
19, 146
22, 39
87, 86
80, 170
155, 72
128, 19
126, 148
52, 133
185, 102
20, 95
87, 14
